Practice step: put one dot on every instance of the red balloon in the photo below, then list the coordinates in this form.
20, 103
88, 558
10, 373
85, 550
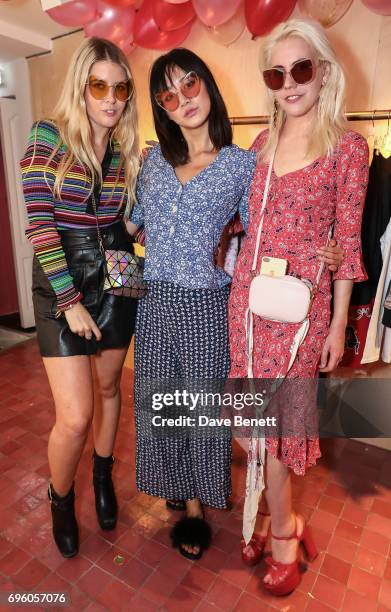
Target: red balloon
75, 13
121, 3
126, 44
263, 15
169, 17
381, 7
148, 35
112, 23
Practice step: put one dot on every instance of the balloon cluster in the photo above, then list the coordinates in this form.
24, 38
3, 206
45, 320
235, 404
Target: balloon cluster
164, 24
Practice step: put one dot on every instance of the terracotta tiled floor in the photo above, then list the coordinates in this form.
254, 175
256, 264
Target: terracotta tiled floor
346, 498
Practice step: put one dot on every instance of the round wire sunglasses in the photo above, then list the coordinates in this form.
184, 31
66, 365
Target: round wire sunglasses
100, 89
189, 86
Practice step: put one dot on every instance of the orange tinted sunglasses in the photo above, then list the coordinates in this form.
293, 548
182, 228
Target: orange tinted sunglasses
100, 89
189, 86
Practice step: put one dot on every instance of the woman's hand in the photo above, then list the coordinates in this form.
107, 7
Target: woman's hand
333, 349
130, 227
80, 322
332, 255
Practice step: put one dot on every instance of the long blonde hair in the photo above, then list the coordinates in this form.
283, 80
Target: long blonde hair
330, 122
70, 117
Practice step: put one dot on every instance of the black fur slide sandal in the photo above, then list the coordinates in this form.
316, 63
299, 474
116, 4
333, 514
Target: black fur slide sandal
191, 531
176, 504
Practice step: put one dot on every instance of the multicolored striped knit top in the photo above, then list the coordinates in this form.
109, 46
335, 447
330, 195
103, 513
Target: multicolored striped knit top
48, 215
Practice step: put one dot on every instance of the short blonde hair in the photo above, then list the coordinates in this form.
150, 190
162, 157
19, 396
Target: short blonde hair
70, 116
330, 122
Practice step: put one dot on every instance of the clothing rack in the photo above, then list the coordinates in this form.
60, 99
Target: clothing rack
374, 115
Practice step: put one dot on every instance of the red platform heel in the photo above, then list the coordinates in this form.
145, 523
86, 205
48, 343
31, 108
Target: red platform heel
286, 577
253, 551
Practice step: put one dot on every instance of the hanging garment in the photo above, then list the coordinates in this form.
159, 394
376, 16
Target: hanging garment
359, 317
378, 342
228, 249
377, 211
387, 308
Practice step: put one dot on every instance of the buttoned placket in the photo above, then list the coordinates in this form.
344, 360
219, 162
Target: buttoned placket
174, 222
174, 210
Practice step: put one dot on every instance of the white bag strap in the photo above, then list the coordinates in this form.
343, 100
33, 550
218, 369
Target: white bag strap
249, 341
265, 195
321, 267
297, 342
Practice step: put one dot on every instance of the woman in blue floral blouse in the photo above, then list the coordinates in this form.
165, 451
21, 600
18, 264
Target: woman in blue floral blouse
190, 187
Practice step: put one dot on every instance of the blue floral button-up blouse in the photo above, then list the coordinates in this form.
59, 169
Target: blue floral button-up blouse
183, 223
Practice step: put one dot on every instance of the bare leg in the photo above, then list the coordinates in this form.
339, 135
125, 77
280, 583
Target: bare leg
70, 379
279, 499
108, 367
263, 517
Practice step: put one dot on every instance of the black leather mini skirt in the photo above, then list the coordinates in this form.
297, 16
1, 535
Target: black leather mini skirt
115, 315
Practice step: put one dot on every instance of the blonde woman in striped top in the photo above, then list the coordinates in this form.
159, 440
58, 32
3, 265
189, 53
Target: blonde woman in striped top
85, 159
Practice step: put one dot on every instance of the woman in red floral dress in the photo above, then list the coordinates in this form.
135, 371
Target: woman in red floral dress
319, 179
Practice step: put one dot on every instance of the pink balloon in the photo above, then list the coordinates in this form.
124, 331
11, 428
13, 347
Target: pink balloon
327, 12
76, 13
215, 12
169, 17
228, 32
112, 23
263, 15
382, 7
148, 35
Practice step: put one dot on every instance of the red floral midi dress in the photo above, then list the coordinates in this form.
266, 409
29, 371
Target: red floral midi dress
301, 207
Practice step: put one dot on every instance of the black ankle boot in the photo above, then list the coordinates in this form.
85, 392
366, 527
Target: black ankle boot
105, 500
65, 529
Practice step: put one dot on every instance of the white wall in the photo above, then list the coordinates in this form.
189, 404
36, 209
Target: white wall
16, 117
7, 88
17, 83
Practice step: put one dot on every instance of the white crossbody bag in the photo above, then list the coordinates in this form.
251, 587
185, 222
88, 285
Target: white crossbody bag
286, 299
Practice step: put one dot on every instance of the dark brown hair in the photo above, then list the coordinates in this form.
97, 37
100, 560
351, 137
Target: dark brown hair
172, 142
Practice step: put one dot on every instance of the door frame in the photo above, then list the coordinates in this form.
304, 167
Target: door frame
15, 116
